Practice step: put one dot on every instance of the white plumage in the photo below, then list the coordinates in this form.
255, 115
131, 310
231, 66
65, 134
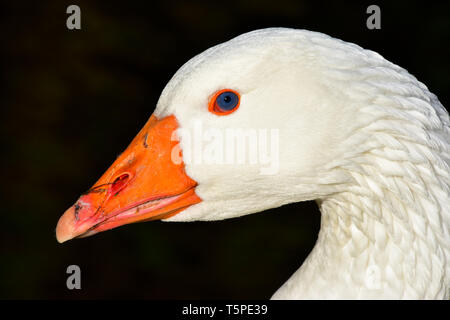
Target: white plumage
357, 133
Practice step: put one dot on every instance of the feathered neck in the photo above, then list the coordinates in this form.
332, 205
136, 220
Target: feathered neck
386, 234
383, 238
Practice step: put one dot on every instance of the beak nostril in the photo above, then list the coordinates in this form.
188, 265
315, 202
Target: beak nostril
119, 183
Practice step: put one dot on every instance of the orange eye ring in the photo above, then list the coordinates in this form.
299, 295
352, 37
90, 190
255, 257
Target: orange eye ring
224, 102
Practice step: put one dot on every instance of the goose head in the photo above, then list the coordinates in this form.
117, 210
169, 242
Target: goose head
271, 117
272, 149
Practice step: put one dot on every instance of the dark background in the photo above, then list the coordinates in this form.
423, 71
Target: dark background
71, 101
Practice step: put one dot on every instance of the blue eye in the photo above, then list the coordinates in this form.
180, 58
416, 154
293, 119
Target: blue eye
224, 102
227, 100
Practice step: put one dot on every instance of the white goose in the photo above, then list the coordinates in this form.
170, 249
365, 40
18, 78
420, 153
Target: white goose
355, 132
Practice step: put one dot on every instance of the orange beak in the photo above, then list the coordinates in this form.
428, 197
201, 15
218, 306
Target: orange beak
144, 183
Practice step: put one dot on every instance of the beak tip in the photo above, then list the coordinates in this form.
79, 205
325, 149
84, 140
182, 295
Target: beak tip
64, 228
61, 238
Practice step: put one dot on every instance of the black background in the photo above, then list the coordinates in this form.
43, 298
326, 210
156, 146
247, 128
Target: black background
71, 101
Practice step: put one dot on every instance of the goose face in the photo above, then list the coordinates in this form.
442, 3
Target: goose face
187, 159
